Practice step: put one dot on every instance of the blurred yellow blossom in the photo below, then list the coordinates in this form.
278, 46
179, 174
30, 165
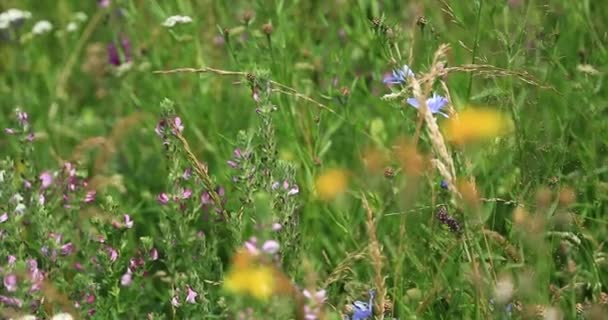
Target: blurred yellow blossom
249, 276
331, 183
474, 124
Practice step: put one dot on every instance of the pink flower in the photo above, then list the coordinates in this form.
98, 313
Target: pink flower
187, 174
175, 302
191, 297
46, 179
11, 260
126, 278
113, 254
90, 298
22, 117
128, 222
232, 164
293, 190
251, 246
90, 196
3, 217
11, 301
10, 282
276, 226
271, 246
177, 121
318, 297
154, 254
206, 198
163, 198
9, 131
186, 193
67, 249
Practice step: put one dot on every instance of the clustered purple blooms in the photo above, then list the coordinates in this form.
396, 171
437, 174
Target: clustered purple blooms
292, 189
445, 218
174, 124
23, 119
190, 297
11, 281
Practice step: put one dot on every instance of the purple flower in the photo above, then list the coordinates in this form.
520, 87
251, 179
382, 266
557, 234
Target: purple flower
251, 246
186, 193
293, 190
175, 302
128, 221
11, 260
90, 196
114, 57
271, 246
191, 297
206, 198
363, 310
103, 3
434, 103
398, 76
232, 164
154, 254
9, 131
46, 179
11, 301
237, 153
163, 198
30, 137
67, 249
3, 217
177, 121
444, 184
187, 174
112, 254
10, 282
126, 278
22, 117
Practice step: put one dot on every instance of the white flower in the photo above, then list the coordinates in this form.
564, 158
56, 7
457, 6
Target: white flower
62, 316
13, 15
81, 16
42, 27
71, 27
173, 20
27, 317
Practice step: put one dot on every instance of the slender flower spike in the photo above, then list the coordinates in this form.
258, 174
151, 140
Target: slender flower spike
399, 76
434, 103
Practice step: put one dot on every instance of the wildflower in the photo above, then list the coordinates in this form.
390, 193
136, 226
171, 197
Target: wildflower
11, 260
177, 121
163, 198
90, 196
3, 217
312, 309
444, 184
191, 296
103, 3
10, 282
187, 174
128, 221
476, 124
293, 190
434, 103
399, 76
363, 310
67, 249
444, 217
42, 27
251, 246
62, 316
232, 164
276, 226
11, 301
175, 302
248, 277
331, 183
206, 198
13, 16
153, 254
112, 254
114, 57
46, 179
126, 278
271, 247
71, 27
275, 185
9, 130
173, 20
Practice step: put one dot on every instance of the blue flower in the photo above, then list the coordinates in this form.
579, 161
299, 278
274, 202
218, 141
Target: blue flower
399, 76
363, 310
435, 104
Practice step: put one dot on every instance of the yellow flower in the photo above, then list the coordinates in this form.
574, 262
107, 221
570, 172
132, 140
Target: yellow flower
476, 124
331, 184
250, 277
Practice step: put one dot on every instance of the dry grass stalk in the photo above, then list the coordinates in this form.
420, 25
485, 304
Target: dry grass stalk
375, 252
509, 249
344, 266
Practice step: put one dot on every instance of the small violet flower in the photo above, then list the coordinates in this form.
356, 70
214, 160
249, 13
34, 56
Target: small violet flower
46, 179
126, 278
10, 282
434, 103
271, 246
128, 221
163, 198
114, 56
399, 76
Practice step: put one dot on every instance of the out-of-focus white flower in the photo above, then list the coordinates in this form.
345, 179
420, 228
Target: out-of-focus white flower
173, 20
13, 15
42, 27
71, 27
62, 316
81, 16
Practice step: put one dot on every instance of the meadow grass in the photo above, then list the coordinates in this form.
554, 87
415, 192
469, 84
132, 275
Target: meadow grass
234, 164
